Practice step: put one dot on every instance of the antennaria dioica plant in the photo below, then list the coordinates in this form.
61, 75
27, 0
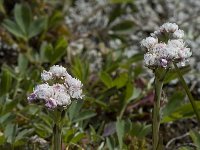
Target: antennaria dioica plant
56, 93
165, 48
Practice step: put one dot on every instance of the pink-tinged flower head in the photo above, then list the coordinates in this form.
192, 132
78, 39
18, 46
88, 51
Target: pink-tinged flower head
54, 94
172, 49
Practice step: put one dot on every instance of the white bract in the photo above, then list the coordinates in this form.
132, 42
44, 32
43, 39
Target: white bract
58, 90
161, 53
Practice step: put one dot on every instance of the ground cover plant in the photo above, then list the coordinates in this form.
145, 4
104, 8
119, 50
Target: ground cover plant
99, 74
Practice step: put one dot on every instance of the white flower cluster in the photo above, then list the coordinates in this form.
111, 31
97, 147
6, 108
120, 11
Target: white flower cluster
61, 92
170, 28
161, 53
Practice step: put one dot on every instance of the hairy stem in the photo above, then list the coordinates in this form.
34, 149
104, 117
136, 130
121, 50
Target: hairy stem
57, 141
57, 129
158, 84
192, 101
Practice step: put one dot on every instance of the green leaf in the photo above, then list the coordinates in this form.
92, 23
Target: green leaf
69, 134
74, 109
37, 26
13, 28
174, 102
120, 128
2, 139
2, 9
22, 63
124, 25
80, 69
172, 74
46, 52
23, 17
7, 118
6, 81
53, 54
110, 143
115, 13
196, 138
184, 111
120, 81
106, 79
136, 93
185, 148
55, 19
140, 130
25, 27
21, 135
10, 105
136, 58
129, 91
84, 115
77, 137
60, 49
42, 130
10, 132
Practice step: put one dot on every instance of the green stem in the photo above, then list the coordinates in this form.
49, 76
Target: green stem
58, 116
192, 101
122, 111
57, 140
156, 111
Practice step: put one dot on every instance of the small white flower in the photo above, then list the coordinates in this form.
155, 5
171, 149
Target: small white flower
169, 27
179, 34
160, 50
155, 34
58, 71
150, 59
75, 86
176, 43
172, 52
62, 98
59, 87
46, 76
149, 42
43, 91
61, 95
185, 53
